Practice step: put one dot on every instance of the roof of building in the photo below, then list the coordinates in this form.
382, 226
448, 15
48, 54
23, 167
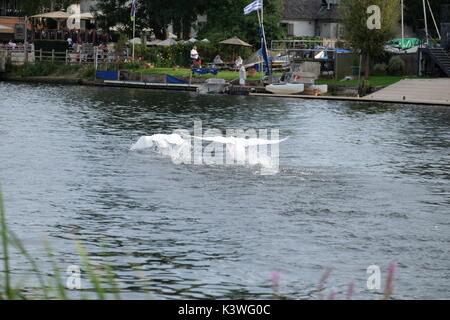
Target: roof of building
301, 9
309, 10
331, 13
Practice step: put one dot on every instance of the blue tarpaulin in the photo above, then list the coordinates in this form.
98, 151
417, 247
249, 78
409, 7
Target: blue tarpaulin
213, 71
107, 75
171, 79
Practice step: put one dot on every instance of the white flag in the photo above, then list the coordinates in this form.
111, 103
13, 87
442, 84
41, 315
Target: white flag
255, 5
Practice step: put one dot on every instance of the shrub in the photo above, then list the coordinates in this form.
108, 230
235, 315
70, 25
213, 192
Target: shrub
396, 66
39, 69
380, 69
364, 88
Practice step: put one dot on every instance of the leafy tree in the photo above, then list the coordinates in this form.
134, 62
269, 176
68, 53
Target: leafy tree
154, 14
226, 19
114, 12
39, 6
414, 14
369, 42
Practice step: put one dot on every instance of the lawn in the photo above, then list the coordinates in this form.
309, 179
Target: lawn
185, 73
375, 81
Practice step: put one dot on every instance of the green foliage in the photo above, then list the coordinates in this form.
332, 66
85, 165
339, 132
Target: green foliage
56, 69
179, 54
354, 15
369, 42
364, 88
49, 45
50, 288
40, 69
396, 66
380, 69
32, 7
414, 14
226, 19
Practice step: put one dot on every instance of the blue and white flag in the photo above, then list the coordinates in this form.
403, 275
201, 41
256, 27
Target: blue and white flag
255, 5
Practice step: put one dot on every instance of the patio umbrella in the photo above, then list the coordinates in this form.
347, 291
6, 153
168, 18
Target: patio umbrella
235, 41
57, 15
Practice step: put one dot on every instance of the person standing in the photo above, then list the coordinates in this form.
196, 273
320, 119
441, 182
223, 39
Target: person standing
194, 54
242, 75
238, 62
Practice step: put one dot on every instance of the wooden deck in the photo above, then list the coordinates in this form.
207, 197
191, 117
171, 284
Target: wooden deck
409, 91
415, 91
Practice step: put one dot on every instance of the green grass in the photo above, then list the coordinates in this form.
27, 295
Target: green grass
185, 73
52, 287
375, 81
49, 69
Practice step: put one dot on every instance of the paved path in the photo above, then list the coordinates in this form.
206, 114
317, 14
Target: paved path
415, 90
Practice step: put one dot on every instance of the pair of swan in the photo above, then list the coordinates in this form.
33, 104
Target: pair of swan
164, 141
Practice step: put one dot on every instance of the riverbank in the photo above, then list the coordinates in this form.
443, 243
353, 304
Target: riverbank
155, 78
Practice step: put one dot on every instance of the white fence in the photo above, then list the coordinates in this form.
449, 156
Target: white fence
87, 55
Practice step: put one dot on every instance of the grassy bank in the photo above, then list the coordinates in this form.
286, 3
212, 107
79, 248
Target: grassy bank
49, 69
185, 73
375, 81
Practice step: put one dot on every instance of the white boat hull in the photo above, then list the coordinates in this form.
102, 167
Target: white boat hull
288, 88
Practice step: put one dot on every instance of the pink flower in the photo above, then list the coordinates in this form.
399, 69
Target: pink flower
350, 290
390, 281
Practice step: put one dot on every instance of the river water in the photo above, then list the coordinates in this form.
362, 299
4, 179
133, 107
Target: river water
359, 184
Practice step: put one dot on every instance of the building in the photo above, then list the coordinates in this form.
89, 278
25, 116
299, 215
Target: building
10, 19
318, 18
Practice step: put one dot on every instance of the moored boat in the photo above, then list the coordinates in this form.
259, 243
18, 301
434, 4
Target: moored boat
286, 88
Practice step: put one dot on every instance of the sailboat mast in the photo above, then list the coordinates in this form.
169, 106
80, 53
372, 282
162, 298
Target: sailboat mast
426, 21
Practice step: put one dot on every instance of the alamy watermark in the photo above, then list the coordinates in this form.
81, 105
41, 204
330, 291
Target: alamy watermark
216, 147
374, 20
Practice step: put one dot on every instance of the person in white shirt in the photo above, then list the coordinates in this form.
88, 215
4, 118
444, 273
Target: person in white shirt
11, 44
194, 54
238, 63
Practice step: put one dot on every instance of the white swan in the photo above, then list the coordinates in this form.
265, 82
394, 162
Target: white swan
162, 141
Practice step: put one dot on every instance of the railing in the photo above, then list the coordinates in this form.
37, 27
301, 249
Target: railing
92, 55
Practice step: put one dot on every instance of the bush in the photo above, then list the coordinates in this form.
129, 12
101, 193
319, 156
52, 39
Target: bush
39, 69
380, 69
364, 88
396, 66
178, 55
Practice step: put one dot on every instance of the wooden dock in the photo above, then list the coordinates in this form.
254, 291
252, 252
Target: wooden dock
150, 85
423, 91
409, 91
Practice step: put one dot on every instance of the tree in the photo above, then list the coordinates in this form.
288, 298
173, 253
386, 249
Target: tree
38, 6
154, 14
370, 42
226, 19
414, 13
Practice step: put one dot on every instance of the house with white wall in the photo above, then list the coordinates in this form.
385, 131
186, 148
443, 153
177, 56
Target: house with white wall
319, 18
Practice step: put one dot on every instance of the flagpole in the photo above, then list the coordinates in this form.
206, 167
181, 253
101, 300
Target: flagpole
264, 34
426, 21
134, 33
403, 26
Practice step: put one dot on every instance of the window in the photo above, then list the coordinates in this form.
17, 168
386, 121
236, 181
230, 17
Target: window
289, 28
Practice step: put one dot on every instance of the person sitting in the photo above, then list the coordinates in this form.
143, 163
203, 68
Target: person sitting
217, 59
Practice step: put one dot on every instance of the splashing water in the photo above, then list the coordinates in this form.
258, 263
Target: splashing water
239, 151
